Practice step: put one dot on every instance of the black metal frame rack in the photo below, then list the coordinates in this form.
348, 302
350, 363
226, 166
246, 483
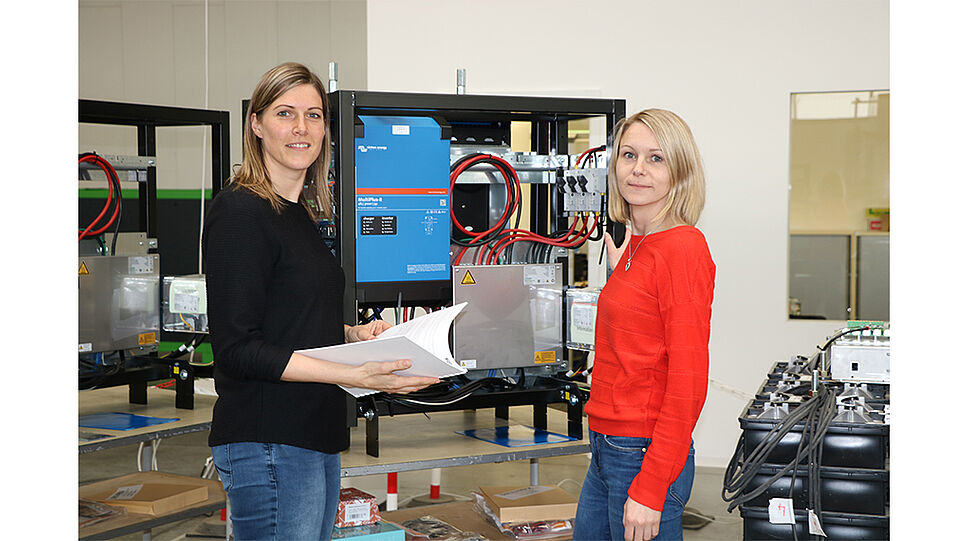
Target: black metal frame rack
146, 118
549, 118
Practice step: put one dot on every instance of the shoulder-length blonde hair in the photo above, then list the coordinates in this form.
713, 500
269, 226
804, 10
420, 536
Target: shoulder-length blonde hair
252, 175
687, 183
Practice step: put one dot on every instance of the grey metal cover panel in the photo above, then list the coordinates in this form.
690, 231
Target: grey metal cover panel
118, 304
873, 278
513, 318
818, 274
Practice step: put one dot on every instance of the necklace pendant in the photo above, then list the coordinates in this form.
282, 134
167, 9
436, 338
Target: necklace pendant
628, 262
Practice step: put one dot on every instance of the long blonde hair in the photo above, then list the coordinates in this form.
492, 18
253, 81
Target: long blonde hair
687, 183
252, 175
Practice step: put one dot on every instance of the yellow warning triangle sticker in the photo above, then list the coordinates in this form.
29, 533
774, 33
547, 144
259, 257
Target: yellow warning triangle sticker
468, 280
83, 269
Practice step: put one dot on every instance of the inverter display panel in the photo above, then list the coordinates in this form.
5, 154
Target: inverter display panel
403, 219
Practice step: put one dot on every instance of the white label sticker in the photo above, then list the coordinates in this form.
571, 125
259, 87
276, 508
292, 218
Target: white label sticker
356, 512
140, 265
520, 493
781, 511
184, 302
400, 129
469, 363
814, 524
125, 493
539, 275
85, 347
187, 297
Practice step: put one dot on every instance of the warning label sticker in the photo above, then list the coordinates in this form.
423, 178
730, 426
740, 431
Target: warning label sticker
544, 357
83, 270
468, 280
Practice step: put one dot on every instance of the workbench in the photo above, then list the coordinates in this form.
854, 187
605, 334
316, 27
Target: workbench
408, 442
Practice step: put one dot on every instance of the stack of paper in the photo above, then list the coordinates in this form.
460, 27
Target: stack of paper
423, 340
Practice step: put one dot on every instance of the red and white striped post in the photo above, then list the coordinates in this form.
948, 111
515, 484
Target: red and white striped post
392, 491
436, 484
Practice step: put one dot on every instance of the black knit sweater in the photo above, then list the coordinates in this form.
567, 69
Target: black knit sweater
273, 288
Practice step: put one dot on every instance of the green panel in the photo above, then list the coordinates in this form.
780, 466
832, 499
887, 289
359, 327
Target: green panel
182, 194
203, 353
857, 324
102, 193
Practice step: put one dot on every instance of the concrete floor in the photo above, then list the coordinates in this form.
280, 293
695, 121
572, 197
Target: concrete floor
186, 455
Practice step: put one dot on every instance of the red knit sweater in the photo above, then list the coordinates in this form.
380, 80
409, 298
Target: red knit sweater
651, 358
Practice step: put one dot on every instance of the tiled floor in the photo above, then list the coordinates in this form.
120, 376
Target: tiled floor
186, 455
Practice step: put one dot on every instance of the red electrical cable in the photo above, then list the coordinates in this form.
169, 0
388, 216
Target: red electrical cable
111, 173
107, 204
521, 234
563, 241
578, 162
513, 193
490, 254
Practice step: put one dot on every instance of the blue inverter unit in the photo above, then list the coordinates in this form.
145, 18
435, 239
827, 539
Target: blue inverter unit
403, 212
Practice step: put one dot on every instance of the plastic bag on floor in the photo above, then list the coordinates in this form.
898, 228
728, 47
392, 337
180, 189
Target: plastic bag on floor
523, 531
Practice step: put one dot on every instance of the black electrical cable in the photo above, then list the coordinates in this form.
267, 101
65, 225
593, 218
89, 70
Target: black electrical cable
741, 471
186, 347
821, 349
104, 248
813, 363
805, 436
591, 154
440, 394
799, 390
117, 221
100, 373
520, 384
600, 232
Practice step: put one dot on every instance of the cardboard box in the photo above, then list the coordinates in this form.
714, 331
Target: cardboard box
379, 531
356, 508
153, 498
530, 503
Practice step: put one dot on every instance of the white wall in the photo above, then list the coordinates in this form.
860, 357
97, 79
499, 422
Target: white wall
153, 52
727, 67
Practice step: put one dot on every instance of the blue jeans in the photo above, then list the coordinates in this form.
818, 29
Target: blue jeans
616, 460
279, 492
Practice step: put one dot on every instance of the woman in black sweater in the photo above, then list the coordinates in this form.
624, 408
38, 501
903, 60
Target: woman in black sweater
274, 288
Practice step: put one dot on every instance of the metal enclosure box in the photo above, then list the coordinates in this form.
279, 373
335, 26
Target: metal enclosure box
184, 304
403, 212
580, 309
118, 304
859, 361
513, 318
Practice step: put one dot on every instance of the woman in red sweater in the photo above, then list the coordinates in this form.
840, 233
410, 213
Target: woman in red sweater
652, 335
